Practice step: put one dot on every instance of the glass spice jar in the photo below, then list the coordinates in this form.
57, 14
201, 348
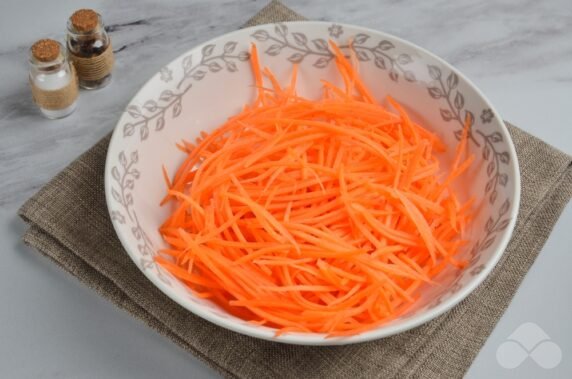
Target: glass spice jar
52, 79
89, 49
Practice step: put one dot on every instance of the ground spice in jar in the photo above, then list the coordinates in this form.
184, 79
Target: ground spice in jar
52, 79
89, 49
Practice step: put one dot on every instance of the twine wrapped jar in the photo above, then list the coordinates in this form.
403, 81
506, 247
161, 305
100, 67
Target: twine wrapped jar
89, 49
52, 79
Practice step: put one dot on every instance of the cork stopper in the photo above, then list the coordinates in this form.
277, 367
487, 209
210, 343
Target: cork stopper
84, 20
46, 50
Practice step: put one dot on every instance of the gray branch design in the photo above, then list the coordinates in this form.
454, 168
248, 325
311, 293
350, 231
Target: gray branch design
125, 176
455, 103
154, 111
495, 158
493, 226
447, 90
301, 47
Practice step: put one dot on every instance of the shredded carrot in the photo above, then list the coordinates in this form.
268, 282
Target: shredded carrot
315, 216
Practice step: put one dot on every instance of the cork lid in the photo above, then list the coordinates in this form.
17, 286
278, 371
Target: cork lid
84, 20
46, 50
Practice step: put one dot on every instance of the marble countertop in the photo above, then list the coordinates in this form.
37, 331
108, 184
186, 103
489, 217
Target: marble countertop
518, 52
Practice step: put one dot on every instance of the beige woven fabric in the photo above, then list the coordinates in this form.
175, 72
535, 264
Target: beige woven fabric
69, 224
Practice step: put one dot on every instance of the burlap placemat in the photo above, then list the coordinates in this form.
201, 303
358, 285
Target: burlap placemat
69, 224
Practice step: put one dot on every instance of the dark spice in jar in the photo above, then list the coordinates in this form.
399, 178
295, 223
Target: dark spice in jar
87, 47
90, 49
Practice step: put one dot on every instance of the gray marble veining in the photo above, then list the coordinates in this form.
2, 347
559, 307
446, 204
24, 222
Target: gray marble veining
518, 52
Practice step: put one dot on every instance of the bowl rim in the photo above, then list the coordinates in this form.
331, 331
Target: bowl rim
316, 339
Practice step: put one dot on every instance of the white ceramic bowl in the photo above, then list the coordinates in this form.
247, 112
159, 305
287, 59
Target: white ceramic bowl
211, 82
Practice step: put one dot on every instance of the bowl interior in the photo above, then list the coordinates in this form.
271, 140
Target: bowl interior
203, 87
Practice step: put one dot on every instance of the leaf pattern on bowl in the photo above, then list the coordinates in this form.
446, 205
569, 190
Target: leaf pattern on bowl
455, 111
492, 228
166, 74
151, 115
301, 47
125, 176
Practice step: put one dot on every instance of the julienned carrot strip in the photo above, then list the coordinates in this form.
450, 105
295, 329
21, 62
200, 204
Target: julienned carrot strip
357, 82
321, 216
256, 70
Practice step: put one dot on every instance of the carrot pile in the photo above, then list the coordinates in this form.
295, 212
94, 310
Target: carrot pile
319, 216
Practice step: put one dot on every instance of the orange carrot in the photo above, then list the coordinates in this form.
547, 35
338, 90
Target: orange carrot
315, 216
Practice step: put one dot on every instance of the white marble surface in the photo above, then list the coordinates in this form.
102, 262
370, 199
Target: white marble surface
518, 52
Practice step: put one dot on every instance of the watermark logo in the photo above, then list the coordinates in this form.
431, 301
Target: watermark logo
529, 340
